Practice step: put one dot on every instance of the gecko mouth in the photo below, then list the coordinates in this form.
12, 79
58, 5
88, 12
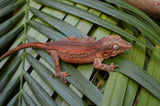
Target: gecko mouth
128, 48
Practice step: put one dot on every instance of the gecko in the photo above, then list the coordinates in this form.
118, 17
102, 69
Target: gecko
80, 51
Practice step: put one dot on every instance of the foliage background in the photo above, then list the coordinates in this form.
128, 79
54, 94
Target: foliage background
25, 78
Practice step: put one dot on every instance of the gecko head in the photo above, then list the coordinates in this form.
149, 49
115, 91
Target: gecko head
115, 45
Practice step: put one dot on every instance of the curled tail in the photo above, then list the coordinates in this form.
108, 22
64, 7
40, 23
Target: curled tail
27, 45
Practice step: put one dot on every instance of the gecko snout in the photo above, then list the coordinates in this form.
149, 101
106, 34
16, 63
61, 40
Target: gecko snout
128, 46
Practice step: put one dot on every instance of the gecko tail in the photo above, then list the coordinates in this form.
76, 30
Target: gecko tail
38, 45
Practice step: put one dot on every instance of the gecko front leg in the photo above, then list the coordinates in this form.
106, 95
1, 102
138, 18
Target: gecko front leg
99, 65
59, 73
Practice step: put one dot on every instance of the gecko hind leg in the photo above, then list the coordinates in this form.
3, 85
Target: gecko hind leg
59, 73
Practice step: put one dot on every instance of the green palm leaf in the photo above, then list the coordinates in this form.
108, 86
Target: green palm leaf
27, 76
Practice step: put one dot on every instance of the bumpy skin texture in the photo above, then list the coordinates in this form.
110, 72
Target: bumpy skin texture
80, 51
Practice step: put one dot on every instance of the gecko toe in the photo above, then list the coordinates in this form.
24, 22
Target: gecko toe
114, 66
62, 76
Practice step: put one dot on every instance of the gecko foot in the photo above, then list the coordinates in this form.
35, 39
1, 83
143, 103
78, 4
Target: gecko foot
111, 68
62, 75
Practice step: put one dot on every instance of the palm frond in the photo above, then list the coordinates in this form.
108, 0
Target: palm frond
27, 76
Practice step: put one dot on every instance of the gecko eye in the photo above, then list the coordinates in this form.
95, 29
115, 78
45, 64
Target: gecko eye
115, 46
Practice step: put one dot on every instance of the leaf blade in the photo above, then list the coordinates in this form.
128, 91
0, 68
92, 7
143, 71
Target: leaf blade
57, 23
47, 31
9, 36
9, 88
11, 8
65, 92
9, 24
38, 91
140, 76
150, 33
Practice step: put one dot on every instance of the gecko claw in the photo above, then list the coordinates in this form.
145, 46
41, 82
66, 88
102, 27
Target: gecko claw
114, 66
111, 68
62, 76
